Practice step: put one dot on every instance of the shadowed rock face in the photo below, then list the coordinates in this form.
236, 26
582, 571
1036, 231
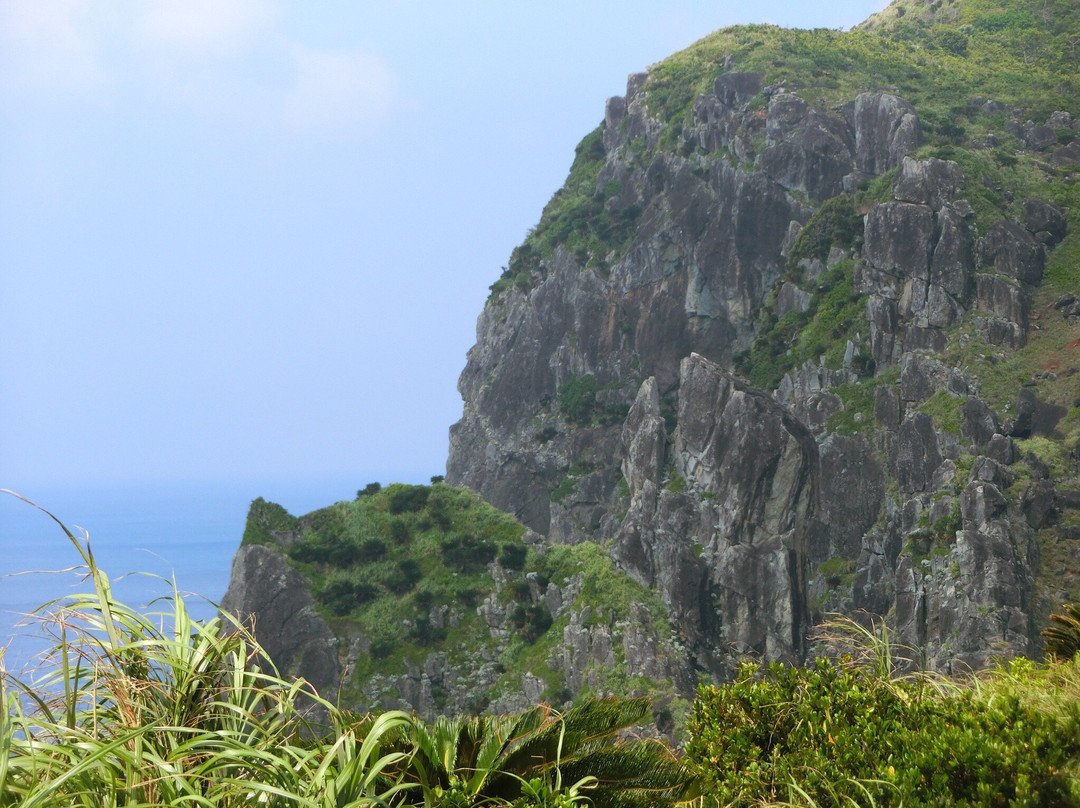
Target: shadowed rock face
265, 592
707, 251
742, 508
599, 405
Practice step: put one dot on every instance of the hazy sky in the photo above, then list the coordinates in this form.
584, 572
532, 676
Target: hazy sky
242, 238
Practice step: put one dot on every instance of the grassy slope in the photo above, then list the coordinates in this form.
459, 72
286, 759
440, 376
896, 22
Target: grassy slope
382, 565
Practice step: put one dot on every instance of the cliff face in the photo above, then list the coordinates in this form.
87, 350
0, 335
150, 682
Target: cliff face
604, 403
798, 337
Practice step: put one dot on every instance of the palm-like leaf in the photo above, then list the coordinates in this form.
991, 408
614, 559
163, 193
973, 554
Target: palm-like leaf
1062, 639
488, 759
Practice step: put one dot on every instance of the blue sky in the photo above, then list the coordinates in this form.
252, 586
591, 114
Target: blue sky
251, 238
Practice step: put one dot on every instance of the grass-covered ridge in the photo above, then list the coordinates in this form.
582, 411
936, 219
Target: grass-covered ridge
407, 571
938, 56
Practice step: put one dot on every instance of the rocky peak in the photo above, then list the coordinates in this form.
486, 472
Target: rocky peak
609, 380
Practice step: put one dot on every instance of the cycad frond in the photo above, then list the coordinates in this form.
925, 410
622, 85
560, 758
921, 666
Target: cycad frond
1063, 638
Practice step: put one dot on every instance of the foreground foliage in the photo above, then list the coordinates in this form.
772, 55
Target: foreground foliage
155, 710
845, 732
138, 710
542, 758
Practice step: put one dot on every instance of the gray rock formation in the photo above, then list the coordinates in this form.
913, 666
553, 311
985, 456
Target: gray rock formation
745, 510
274, 600
600, 406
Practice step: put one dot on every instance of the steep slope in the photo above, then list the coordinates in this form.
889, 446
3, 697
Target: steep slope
426, 598
798, 335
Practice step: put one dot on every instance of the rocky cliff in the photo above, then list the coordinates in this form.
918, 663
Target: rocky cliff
797, 337
870, 274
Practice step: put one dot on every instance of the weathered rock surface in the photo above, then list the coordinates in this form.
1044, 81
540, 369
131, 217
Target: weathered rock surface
754, 513
745, 511
274, 599
727, 553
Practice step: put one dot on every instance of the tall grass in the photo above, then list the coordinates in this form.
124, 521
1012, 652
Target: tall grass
145, 710
141, 710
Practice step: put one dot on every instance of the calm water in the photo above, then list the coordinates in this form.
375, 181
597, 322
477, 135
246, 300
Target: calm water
188, 532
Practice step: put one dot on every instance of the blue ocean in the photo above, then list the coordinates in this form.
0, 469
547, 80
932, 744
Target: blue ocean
184, 532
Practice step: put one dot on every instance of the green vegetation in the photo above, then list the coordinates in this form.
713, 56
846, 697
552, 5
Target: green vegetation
264, 518
132, 710
578, 403
1022, 53
847, 732
835, 315
576, 219
542, 758
128, 713
945, 410
407, 567
858, 411
1062, 636
834, 224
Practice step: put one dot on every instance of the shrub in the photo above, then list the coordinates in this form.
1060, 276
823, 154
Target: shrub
531, 621
845, 733
400, 532
381, 649
519, 591
404, 577
341, 594
407, 498
512, 556
466, 554
369, 490
577, 398
542, 758
424, 632
371, 550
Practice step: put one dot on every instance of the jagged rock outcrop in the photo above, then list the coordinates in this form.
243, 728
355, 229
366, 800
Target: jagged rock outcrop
747, 511
726, 548
274, 599
875, 288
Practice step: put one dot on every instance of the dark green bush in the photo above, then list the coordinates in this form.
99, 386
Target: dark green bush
466, 553
577, 398
341, 594
404, 577
531, 621
841, 733
407, 498
424, 633
519, 591
381, 649
399, 532
371, 550
512, 556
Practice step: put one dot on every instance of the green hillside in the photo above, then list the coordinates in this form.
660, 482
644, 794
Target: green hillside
408, 571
